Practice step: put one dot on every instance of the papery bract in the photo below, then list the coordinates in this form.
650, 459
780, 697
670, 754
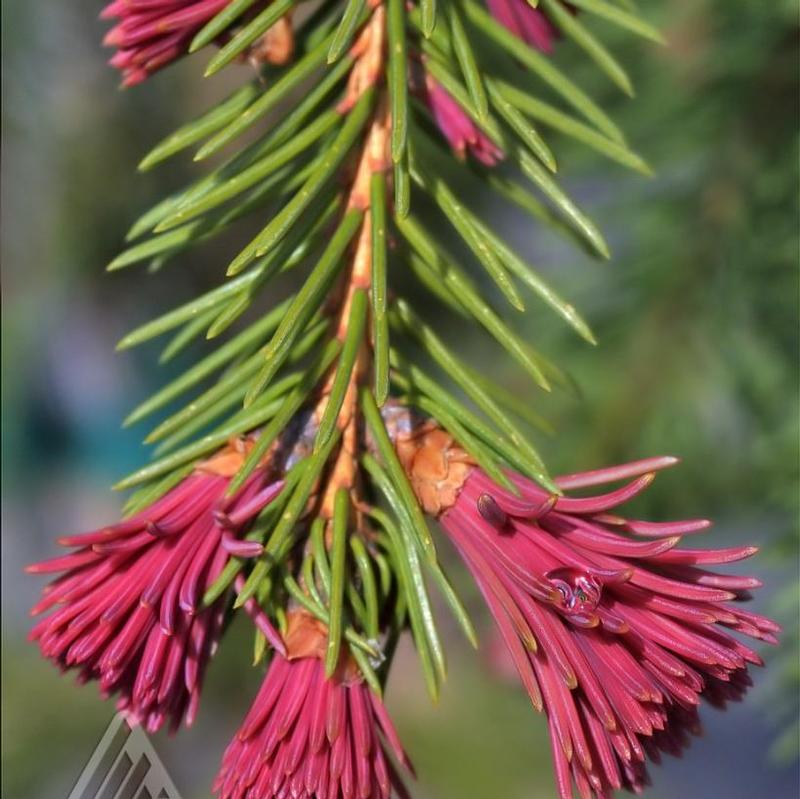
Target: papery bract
311, 737
615, 631
462, 134
525, 22
127, 609
150, 34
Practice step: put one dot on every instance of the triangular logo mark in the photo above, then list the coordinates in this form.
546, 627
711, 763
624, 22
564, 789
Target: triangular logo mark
124, 766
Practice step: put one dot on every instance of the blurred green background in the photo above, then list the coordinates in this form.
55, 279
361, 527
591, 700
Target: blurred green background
696, 316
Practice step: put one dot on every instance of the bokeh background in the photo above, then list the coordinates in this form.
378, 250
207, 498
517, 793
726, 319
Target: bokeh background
696, 316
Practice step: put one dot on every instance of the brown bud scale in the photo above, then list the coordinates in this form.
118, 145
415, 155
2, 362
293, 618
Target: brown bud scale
436, 466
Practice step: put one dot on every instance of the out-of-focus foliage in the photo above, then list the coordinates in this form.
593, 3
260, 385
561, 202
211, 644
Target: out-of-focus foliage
696, 317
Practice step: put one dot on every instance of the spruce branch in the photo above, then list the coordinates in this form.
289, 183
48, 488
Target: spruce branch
301, 455
335, 178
